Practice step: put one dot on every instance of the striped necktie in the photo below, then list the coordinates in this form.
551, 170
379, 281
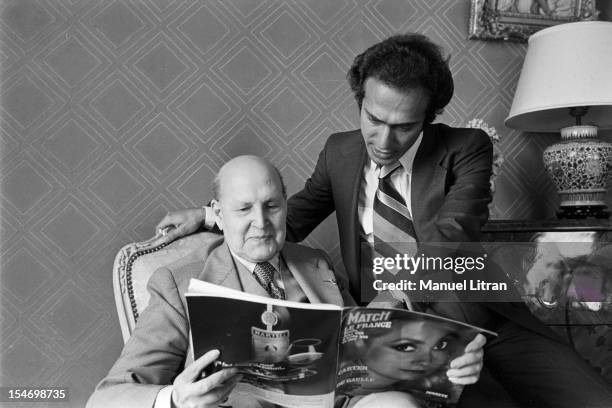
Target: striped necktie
392, 218
392, 221
393, 232
264, 274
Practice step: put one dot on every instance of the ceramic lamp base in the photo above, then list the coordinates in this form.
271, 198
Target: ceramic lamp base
581, 168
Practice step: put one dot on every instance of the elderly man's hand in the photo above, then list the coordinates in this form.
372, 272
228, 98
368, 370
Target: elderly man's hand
190, 390
182, 222
466, 368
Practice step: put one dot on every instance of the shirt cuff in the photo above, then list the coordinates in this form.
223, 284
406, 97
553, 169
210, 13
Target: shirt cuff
164, 398
209, 218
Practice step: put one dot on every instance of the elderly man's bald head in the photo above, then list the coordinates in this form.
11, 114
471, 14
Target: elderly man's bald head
250, 207
244, 164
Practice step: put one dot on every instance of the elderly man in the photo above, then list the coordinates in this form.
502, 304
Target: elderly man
154, 368
250, 207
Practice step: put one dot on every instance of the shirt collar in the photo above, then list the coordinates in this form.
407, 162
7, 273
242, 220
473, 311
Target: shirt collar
274, 261
406, 159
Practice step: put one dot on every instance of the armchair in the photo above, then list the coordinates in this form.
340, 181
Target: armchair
134, 265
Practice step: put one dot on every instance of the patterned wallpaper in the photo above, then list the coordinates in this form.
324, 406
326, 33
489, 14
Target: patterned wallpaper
115, 112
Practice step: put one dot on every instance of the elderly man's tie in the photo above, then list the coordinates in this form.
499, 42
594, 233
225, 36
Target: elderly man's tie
264, 273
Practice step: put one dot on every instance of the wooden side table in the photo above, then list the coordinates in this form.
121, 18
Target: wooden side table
563, 270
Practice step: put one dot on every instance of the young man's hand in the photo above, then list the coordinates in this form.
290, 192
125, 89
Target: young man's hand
179, 223
466, 368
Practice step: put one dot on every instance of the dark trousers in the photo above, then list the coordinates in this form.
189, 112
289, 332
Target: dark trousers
527, 369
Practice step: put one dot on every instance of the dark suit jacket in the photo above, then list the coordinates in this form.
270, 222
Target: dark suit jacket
449, 189
159, 349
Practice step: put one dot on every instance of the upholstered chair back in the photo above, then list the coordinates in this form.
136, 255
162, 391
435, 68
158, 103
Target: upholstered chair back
134, 265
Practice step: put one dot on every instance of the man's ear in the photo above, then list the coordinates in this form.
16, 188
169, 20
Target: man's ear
216, 207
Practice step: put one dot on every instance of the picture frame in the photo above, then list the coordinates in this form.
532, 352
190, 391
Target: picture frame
516, 20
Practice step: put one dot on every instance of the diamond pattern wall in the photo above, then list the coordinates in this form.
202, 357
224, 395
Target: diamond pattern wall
114, 112
25, 101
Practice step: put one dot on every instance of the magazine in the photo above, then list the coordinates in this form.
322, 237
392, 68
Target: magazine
321, 355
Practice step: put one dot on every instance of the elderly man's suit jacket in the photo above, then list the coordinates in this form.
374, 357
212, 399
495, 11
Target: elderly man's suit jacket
158, 350
449, 190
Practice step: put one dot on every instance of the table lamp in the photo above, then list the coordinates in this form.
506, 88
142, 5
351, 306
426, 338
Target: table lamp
566, 86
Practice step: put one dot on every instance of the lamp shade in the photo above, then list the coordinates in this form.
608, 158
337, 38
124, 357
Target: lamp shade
567, 65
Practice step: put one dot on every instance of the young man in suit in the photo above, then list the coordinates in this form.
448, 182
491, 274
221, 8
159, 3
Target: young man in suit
250, 207
400, 84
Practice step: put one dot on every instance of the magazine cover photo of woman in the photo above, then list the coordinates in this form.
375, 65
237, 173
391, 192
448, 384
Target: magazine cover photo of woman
404, 360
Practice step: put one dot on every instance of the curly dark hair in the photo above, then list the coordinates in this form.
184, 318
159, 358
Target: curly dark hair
405, 61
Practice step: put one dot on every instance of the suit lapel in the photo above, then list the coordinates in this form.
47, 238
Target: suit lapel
427, 153
425, 176
219, 269
318, 285
304, 280
354, 158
